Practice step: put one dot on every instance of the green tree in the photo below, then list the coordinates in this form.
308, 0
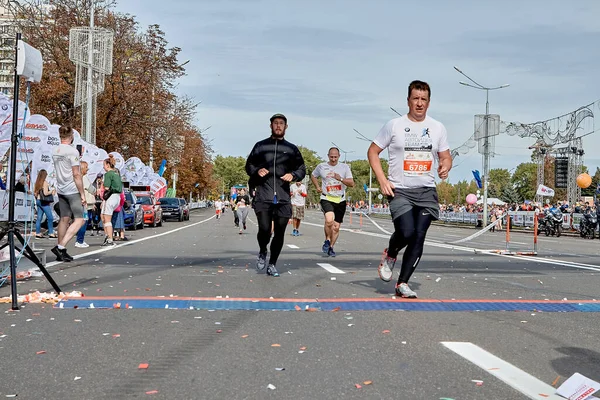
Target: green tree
524, 180
229, 171
592, 188
510, 195
311, 160
499, 181
446, 192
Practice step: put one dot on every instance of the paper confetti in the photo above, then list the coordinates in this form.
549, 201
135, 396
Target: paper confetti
152, 392
143, 366
270, 386
275, 345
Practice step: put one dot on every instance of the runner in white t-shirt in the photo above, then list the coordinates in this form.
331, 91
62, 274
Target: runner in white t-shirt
218, 208
298, 198
335, 177
417, 144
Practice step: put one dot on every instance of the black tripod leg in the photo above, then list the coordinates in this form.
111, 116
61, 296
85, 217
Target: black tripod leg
31, 256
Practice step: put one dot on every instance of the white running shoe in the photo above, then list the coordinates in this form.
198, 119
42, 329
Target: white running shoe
81, 245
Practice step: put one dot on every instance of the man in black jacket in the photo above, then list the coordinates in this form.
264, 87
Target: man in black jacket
272, 164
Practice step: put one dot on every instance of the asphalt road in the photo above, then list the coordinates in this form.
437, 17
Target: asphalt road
202, 351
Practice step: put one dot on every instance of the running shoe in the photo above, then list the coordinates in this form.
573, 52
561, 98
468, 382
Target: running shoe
272, 271
81, 245
244, 226
330, 252
403, 290
261, 262
56, 251
326, 246
386, 267
65, 256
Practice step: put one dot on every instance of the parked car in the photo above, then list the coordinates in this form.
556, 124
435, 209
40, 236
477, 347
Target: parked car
171, 208
186, 209
134, 215
152, 212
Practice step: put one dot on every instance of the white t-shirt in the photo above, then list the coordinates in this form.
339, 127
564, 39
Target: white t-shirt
332, 189
65, 157
413, 148
296, 194
218, 205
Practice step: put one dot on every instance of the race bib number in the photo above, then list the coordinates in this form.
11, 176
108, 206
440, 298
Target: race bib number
333, 188
417, 163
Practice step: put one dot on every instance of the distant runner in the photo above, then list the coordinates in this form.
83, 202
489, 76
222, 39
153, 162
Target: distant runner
335, 177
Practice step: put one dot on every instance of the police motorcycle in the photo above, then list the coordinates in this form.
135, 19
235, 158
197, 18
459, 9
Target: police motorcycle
553, 222
588, 224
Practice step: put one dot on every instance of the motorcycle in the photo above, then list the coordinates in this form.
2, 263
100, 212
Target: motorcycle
587, 225
553, 222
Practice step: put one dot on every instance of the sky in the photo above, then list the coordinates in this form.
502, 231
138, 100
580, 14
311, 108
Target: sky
332, 66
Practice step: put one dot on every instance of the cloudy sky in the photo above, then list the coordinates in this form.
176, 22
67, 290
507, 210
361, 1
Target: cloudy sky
336, 65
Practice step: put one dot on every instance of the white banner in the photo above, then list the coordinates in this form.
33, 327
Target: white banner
544, 191
23, 206
35, 138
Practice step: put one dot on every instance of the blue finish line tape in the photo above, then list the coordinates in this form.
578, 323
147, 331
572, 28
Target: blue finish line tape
329, 304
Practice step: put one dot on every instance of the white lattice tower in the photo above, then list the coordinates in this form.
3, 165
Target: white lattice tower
91, 50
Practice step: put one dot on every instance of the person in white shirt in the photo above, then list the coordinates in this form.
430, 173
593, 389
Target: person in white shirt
416, 143
298, 199
335, 177
218, 208
71, 194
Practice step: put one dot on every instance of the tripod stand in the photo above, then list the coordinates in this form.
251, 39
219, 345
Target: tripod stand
11, 231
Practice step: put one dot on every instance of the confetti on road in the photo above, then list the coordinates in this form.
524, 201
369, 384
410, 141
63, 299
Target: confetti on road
152, 392
77, 378
298, 308
143, 366
367, 383
41, 352
438, 279
275, 345
116, 335
270, 386
219, 331
244, 336
554, 382
279, 369
356, 385
477, 382
385, 331
336, 309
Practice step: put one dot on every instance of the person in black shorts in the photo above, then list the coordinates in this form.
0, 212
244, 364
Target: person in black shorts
335, 178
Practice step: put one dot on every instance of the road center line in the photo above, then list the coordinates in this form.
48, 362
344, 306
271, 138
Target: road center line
516, 378
330, 268
129, 243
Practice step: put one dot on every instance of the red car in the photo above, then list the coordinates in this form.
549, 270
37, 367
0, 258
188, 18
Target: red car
152, 211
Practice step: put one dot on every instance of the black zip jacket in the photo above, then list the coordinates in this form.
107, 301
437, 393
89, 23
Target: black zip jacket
280, 157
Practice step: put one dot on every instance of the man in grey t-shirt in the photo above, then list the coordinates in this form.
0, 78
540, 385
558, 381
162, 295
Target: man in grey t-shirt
71, 195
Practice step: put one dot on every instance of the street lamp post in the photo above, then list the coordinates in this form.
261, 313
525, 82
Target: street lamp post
366, 139
486, 149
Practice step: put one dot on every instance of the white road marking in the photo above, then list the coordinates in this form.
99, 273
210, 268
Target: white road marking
570, 264
516, 378
293, 246
330, 268
129, 243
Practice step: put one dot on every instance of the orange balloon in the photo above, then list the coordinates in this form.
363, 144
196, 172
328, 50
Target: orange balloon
584, 180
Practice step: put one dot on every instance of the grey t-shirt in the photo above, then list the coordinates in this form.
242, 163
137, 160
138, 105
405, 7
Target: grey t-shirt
65, 157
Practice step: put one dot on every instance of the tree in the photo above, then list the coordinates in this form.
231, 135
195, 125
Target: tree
229, 171
592, 188
524, 180
138, 101
499, 181
510, 195
447, 193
